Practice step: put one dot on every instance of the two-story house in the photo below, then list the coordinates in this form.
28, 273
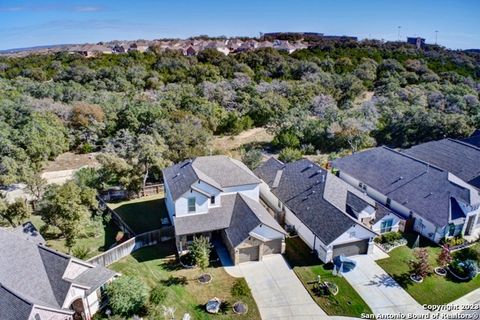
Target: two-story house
38, 283
219, 196
435, 202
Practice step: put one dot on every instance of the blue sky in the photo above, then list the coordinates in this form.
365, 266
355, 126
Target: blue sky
32, 23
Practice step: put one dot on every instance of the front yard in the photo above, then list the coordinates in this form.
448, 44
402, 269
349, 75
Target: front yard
157, 264
434, 289
142, 214
307, 267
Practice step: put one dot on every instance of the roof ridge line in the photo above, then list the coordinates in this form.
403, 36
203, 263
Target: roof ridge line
413, 158
17, 294
464, 143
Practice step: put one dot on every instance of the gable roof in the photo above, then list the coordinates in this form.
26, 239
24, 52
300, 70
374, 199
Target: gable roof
458, 157
36, 272
415, 184
302, 188
246, 216
238, 215
210, 169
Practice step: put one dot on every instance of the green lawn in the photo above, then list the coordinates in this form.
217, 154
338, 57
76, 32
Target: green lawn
434, 289
307, 267
96, 244
142, 214
157, 264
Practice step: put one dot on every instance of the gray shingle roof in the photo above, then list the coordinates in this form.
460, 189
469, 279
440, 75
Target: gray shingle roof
356, 203
238, 215
29, 232
94, 278
302, 188
36, 272
12, 306
417, 185
210, 169
473, 140
460, 158
247, 215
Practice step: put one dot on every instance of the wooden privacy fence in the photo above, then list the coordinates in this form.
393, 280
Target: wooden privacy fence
116, 218
126, 248
152, 189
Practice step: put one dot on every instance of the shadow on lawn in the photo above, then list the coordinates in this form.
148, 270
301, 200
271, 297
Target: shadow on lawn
164, 250
298, 254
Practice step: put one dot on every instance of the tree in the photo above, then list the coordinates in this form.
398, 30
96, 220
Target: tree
68, 207
421, 266
151, 151
16, 212
127, 295
289, 155
445, 257
36, 185
252, 158
200, 250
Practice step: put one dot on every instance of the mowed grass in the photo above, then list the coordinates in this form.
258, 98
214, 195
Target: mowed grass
307, 268
142, 214
96, 244
157, 265
434, 289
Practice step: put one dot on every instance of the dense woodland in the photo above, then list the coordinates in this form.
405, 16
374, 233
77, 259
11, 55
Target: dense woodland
146, 110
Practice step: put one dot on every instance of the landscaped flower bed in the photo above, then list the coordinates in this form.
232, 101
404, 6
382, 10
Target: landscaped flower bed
387, 247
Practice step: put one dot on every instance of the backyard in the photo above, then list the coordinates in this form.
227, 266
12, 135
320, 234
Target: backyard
142, 214
307, 267
157, 264
434, 289
95, 239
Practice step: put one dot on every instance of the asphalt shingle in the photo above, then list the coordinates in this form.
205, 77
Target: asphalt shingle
302, 188
416, 184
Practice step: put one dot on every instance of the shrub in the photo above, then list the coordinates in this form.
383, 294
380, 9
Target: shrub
240, 288
445, 257
80, 252
289, 155
421, 266
127, 295
158, 294
391, 237
200, 249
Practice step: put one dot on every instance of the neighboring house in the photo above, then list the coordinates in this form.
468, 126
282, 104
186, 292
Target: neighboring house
418, 42
140, 47
284, 45
315, 203
435, 202
217, 196
91, 50
457, 157
474, 139
38, 283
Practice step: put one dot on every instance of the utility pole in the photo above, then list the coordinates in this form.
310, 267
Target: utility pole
399, 27
436, 36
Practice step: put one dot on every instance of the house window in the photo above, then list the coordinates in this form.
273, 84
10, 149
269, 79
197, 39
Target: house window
191, 204
451, 230
388, 203
386, 226
212, 200
190, 238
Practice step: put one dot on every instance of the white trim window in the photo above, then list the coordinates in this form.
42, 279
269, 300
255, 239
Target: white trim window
191, 204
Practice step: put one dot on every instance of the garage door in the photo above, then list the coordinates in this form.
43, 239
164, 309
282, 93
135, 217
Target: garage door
248, 254
350, 249
274, 246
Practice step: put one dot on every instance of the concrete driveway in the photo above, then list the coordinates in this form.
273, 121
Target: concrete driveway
277, 290
380, 291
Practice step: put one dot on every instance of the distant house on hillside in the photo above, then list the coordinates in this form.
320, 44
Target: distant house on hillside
138, 46
332, 217
435, 202
418, 42
39, 283
218, 197
91, 50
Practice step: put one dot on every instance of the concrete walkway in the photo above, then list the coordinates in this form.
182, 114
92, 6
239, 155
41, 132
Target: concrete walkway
278, 292
380, 291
